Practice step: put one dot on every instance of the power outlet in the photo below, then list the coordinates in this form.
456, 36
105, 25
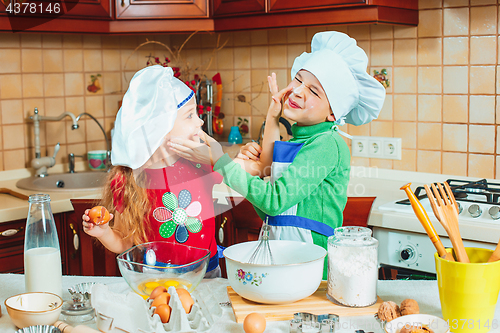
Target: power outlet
376, 147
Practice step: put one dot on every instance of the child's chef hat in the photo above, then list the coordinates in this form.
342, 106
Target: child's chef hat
147, 114
340, 66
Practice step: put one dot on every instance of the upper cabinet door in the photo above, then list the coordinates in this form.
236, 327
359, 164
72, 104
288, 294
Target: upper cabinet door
275, 5
100, 9
235, 7
147, 9
281, 5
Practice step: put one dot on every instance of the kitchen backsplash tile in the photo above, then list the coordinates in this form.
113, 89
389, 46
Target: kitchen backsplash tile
455, 164
483, 50
484, 107
456, 22
441, 99
481, 166
482, 139
483, 20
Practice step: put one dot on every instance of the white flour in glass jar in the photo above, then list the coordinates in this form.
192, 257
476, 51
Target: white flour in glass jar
352, 268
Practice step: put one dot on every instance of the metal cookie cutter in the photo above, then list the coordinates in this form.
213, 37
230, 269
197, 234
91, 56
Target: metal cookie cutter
308, 322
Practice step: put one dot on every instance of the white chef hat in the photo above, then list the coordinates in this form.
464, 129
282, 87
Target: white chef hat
340, 66
147, 114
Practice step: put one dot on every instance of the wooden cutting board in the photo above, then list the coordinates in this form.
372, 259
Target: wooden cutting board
316, 304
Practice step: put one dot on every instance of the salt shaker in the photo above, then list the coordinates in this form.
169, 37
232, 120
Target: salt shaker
352, 267
42, 254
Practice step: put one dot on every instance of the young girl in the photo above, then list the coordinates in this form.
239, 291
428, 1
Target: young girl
307, 193
152, 193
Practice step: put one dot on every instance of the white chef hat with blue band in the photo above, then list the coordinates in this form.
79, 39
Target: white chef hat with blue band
147, 115
340, 65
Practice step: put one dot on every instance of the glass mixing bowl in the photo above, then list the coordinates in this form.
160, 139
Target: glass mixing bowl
147, 266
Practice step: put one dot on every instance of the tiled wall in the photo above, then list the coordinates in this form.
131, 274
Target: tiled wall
441, 100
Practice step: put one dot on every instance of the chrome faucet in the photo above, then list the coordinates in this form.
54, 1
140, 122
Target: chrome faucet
71, 161
39, 163
108, 148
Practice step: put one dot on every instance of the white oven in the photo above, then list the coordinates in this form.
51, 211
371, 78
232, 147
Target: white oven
403, 242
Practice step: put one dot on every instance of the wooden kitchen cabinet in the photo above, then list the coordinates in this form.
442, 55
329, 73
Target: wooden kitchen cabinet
166, 9
12, 245
237, 7
90, 257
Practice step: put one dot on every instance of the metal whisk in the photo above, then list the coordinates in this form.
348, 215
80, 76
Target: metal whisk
262, 254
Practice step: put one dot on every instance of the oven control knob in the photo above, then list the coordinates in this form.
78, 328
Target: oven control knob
460, 208
407, 254
475, 210
494, 212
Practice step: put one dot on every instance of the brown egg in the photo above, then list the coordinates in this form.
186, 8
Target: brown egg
254, 323
99, 215
157, 291
163, 310
163, 298
185, 298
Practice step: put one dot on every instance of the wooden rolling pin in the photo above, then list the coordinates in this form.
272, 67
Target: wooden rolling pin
66, 328
496, 254
426, 223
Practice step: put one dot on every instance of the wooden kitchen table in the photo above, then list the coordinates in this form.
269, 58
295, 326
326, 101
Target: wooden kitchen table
424, 292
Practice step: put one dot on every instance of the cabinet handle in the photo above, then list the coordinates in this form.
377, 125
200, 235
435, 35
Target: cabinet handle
11, 232
221, 230
123, 3
76, 240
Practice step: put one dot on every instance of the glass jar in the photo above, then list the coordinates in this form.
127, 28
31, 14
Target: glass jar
352, 267
42, 254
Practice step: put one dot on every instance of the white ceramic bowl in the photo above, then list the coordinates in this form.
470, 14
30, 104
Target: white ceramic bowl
296, 274
37, 308
438, 325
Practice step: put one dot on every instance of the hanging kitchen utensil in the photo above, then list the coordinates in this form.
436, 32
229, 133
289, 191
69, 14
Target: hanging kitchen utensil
496, 254
426, 223
204, 97
446, 211
218, 125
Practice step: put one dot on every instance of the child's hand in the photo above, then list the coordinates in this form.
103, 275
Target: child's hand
90, 228
251, 150
275, 107
208, 152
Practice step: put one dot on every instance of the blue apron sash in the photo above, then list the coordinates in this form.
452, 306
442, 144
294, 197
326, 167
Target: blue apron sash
301, 222
285, 152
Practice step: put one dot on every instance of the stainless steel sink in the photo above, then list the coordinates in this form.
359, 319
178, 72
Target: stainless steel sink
78, 181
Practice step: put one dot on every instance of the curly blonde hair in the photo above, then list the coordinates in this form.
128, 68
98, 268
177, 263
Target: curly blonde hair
136, 203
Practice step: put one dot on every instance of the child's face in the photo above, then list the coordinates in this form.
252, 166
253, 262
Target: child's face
307, 103
187, 124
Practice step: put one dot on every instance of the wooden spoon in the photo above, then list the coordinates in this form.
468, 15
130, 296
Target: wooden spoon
426, 223
496, 254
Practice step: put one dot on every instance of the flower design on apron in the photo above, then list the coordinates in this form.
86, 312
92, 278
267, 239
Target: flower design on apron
178, 216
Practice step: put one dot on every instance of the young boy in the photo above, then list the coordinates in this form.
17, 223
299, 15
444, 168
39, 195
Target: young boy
309, 174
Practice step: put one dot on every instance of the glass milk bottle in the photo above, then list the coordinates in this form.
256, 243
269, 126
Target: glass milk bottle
42, 255
352, 267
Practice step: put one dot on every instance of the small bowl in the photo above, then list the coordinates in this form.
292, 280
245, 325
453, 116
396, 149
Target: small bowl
147, 266
296, 274
438, 325
36, 308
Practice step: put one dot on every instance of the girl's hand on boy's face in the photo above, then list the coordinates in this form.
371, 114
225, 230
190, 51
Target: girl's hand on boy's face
208, 152
277, 95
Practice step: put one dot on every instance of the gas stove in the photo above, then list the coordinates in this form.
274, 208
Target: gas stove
478, 201
404, 243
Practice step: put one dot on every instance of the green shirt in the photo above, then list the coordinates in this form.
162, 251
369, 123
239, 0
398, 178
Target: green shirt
316, 180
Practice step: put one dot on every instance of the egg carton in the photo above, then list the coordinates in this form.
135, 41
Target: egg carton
131, 313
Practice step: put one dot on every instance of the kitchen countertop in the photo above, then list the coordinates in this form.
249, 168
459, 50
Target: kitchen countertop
424, 292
